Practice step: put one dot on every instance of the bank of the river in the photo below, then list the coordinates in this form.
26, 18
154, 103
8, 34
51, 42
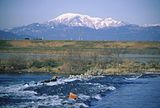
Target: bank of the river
79, 57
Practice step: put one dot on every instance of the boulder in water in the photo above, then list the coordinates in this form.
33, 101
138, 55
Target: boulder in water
54, 78
72, 96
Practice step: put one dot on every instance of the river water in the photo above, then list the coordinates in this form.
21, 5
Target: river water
112, 91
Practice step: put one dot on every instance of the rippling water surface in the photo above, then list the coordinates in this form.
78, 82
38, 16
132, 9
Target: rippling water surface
129, 91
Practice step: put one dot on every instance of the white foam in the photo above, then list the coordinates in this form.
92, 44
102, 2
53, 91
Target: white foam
54, 100
85, 76
26, 85
133, 77
49, 100
62, 81
79, 105
97, 96
95, 84
43, 100
83, 97
101, 87
18, 90
111, 88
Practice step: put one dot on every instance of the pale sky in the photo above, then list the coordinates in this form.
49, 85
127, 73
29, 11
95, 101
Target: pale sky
22, 12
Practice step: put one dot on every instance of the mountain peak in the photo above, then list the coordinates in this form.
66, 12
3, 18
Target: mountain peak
74, 19
69, 15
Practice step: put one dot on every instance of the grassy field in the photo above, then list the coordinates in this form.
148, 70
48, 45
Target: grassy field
79, 57
27, 44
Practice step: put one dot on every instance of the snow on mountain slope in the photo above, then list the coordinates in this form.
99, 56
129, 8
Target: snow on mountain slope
71, 19
77, 26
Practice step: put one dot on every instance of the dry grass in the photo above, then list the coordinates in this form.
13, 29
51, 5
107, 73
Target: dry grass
131, 45
27, 43
85, 44
22, 43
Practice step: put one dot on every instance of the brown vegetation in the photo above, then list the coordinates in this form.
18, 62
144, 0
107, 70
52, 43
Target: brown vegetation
79, 57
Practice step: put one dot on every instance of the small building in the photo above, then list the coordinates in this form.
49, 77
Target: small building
27, 38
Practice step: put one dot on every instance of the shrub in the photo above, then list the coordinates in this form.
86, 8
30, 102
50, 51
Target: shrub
46, 63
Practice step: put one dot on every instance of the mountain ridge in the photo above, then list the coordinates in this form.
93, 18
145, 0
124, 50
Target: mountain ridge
71, 19
83, 27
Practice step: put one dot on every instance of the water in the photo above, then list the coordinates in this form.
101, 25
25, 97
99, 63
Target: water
129, 91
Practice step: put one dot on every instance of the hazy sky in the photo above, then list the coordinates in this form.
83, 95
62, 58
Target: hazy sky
22, 12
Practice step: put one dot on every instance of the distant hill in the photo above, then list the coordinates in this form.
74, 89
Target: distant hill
8, 35
83, 27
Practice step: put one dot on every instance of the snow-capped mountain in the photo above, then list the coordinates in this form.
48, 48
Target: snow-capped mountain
83, 27
71, 19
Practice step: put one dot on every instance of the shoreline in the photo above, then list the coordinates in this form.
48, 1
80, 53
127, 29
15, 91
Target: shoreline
38, 72
79, 57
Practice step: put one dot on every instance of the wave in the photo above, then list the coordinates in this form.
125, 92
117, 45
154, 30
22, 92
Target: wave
72, 78
37, 97
84, 97
62, 81
98, 97
38, 101
111, 88
16, 92
133, 77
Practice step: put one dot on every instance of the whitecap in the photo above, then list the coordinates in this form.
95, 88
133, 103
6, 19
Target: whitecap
44, 100
62, 81
83, 97
97, 97
133, 77
81, 105
49, 100
26, 85
111, 88
17, 90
